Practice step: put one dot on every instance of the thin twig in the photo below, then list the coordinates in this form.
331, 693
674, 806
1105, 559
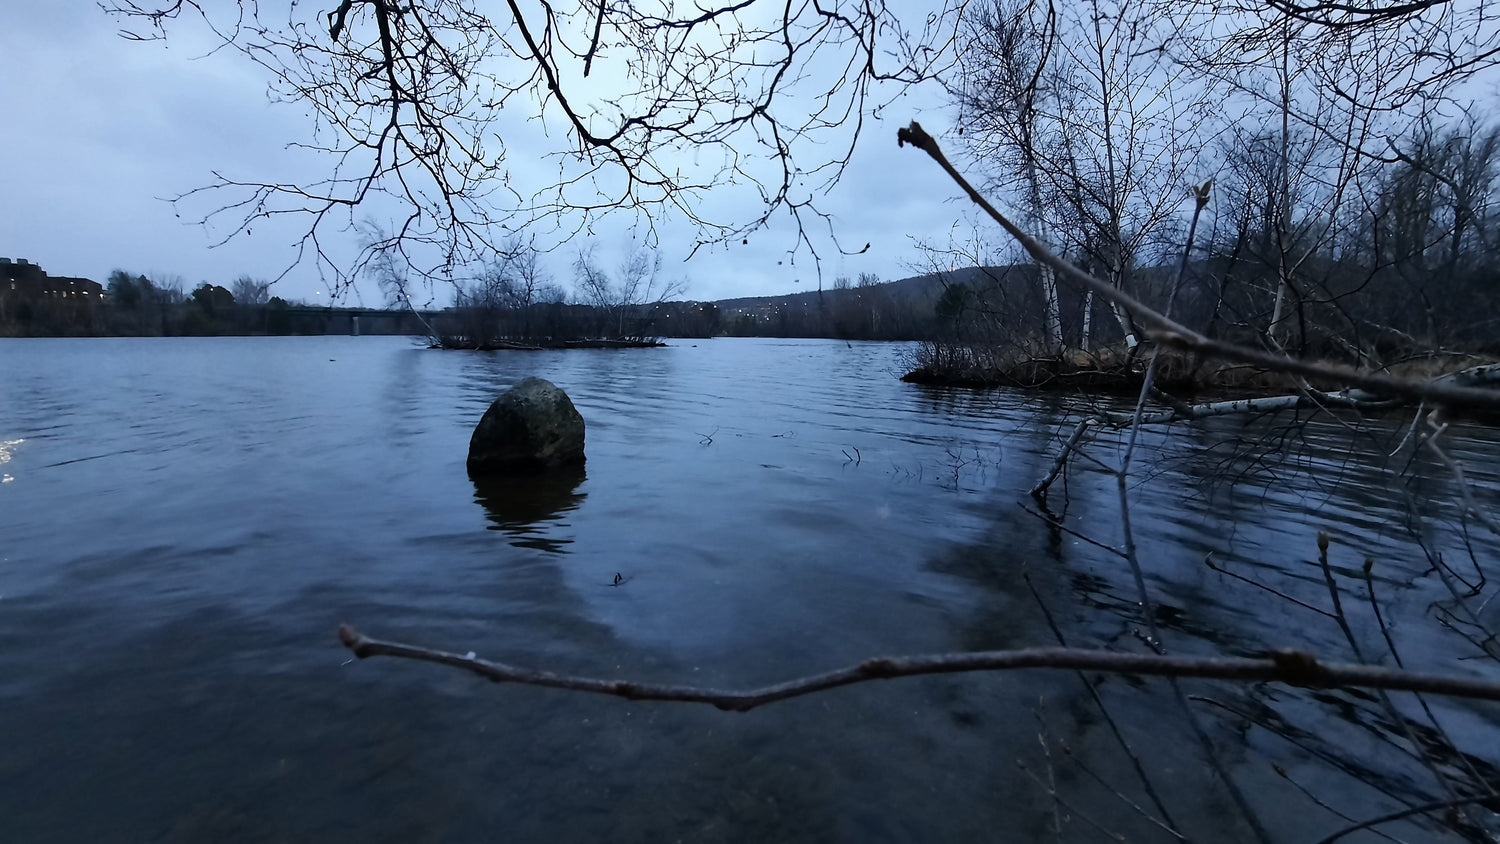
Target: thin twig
1208, 560
1165, 822
1074, 810
1458, 476
1311, 744
1140, 810
1434, 806
1390, 642
1148, 608
1323, 804
1397, 720
1041, 737
1054, 523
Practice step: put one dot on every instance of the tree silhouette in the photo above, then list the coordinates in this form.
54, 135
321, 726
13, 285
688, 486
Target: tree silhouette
640, 107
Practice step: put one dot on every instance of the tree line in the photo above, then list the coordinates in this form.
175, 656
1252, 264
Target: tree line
514, 300
1346, 211
138, 305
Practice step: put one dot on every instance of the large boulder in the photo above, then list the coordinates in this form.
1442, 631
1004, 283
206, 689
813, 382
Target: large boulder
532, 426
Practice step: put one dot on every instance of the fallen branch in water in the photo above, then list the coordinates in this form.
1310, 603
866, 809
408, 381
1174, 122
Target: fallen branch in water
1183, 412
1292, 667
1040, 489
1354, 399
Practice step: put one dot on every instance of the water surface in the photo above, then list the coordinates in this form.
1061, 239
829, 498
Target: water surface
185, 523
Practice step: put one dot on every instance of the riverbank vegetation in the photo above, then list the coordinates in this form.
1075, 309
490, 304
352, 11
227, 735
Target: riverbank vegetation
1346, 211
515, 304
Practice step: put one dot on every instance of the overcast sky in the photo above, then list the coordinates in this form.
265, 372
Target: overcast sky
101, 131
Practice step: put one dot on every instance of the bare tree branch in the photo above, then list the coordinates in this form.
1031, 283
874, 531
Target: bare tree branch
419, 104
1296, 668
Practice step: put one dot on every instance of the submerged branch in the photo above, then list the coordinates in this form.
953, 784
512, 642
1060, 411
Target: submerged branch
1041, 487
1292, 667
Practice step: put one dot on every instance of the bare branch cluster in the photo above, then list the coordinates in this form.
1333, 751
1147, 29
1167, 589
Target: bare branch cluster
635, 106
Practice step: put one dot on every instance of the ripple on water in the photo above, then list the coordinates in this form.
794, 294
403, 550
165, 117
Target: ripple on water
188, 520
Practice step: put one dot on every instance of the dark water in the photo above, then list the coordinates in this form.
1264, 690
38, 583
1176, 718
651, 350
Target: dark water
185, 522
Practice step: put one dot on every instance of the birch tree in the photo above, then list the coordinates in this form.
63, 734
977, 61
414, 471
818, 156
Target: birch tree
1101, 135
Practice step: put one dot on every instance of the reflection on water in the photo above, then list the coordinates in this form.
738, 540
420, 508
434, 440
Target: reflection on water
529, 505
190, 519
7, 447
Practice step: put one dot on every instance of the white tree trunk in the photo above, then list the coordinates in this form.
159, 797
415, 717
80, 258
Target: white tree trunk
1131, 341
1276, 330
1086, 339
1051, 308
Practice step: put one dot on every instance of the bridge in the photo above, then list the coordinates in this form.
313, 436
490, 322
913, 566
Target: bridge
303, 319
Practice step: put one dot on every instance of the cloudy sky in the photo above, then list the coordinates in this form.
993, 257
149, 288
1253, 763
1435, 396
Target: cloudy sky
102, 132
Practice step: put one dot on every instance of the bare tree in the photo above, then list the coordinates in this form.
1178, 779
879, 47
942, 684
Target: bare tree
639, 277
530, 281
594, 285
250, 291
637, 284
501, 300
1003, 72
167, 289
391, 273
482, 306
1423, 239
1101, 135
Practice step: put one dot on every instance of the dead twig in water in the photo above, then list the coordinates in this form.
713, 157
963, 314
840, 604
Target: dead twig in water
1208, 560
1406, 813
1323, 804
1293, 667
1165, 822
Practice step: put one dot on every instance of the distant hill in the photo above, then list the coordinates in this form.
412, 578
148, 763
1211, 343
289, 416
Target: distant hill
893, 310
915, 292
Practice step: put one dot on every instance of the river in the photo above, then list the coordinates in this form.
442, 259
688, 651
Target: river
185, 523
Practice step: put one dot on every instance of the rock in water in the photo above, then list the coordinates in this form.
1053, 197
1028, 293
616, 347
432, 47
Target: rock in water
532, 426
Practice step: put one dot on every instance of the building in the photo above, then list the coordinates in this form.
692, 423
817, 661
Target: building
31, 300
23, 281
